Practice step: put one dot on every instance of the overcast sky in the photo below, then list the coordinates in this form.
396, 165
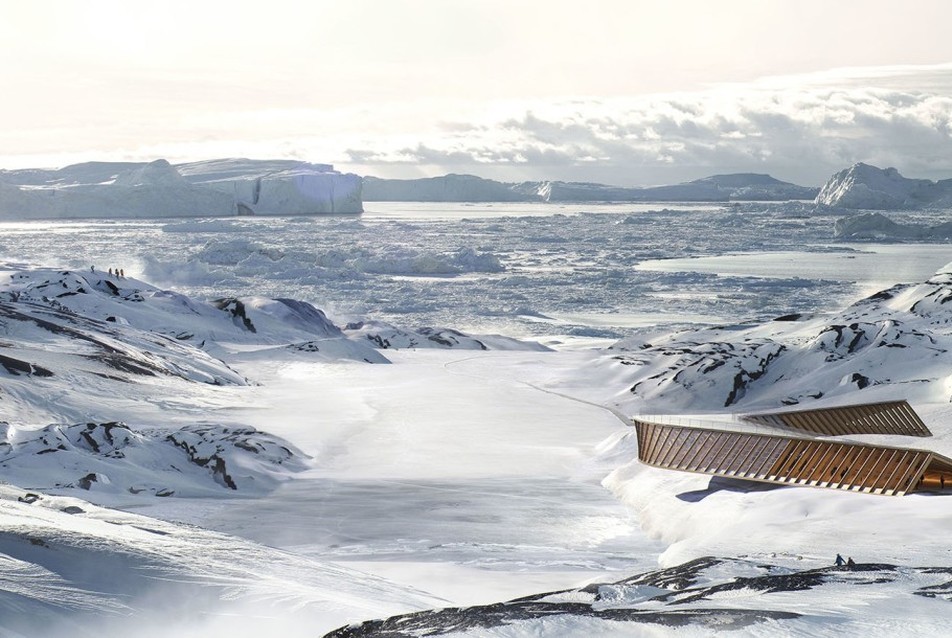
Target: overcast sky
617, 91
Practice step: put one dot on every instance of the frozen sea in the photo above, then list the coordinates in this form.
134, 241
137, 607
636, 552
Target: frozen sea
545, 271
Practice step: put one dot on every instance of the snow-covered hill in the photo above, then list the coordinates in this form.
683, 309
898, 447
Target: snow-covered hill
157, 189
70, 568
892, 345
84, 331
862, 186
195, 460
703, 597
386, 336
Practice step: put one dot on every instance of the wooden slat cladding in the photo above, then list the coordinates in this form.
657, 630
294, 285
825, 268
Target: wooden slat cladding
894, 417
788, 460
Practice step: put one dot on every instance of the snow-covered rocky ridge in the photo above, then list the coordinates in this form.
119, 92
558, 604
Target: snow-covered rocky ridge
91, 330
194, 460
862, 186
201, 189
894, 344
469, 188
705, 596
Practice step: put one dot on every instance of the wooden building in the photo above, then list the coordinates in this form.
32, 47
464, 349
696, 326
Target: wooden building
800, 460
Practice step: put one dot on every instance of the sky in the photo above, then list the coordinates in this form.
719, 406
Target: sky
625, 92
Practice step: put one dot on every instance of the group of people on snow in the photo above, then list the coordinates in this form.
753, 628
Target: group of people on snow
113, 272
848, 562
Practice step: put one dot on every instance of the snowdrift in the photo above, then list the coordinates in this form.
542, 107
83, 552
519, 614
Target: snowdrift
68, 568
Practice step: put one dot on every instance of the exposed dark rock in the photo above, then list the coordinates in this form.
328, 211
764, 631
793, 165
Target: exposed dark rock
18, 367
685, 596
237, 310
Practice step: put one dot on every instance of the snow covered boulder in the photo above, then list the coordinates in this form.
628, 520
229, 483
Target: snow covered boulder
271, 316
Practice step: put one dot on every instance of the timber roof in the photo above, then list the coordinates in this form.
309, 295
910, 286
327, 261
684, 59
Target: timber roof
804, 460
893, 417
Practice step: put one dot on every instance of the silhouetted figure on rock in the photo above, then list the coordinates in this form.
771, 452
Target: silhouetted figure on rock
839, 561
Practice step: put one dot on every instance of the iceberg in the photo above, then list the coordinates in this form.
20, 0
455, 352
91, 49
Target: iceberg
279, 187
862, 186
214, 188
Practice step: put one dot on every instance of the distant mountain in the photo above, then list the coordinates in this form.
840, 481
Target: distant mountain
469, 188
157, 189
447, 188
862, 186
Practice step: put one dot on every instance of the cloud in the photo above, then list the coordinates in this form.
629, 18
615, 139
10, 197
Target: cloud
802, 128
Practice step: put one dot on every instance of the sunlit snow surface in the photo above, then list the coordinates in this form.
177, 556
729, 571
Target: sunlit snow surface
461, 477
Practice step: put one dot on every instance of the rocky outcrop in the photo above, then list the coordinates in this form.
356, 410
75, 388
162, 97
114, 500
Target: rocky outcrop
705, 596
114, 457
893, 344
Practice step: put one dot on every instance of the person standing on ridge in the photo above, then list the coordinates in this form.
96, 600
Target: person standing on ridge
839, 561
